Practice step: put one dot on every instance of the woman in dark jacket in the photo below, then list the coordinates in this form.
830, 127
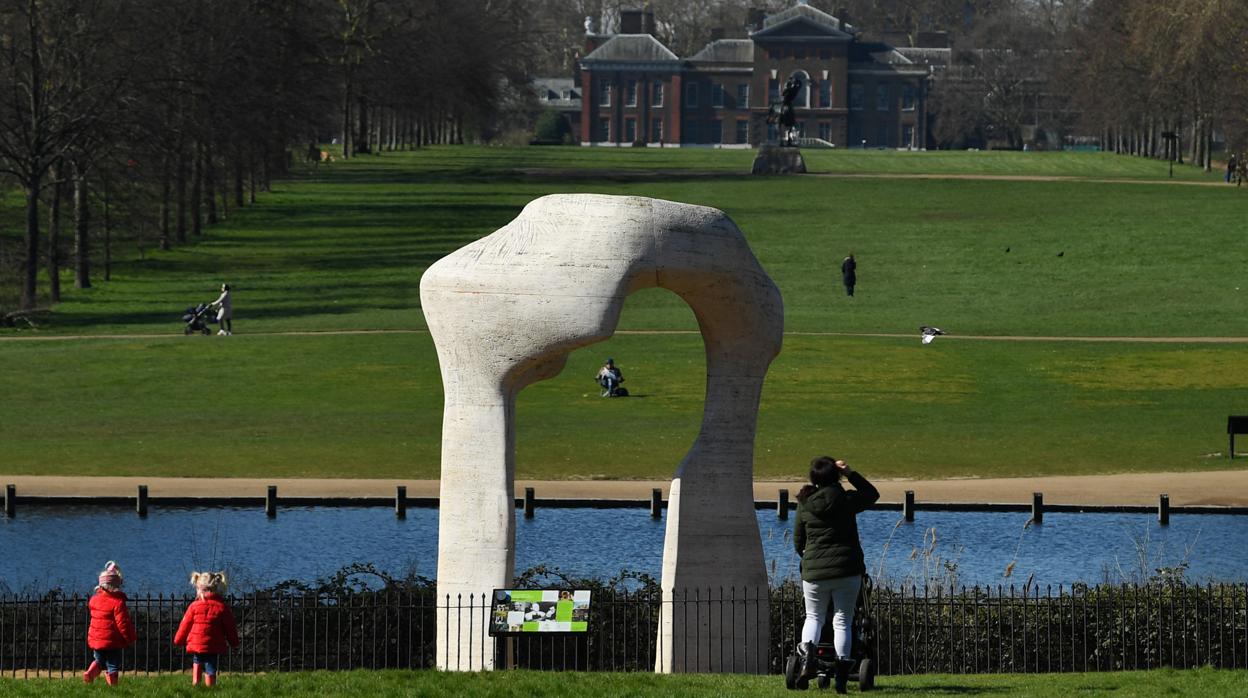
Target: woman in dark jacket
825, 534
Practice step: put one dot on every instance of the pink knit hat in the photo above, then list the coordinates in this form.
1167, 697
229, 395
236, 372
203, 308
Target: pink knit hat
111, 576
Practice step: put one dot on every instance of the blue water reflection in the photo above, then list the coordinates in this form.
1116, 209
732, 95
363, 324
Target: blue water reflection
47, 547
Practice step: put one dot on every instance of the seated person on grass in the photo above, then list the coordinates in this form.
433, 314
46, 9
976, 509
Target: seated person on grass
610, 377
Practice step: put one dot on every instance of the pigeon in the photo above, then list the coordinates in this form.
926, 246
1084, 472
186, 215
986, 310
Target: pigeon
1062, 253
929, 333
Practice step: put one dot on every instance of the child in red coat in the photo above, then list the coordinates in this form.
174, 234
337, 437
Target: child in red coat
207, 626
111, 629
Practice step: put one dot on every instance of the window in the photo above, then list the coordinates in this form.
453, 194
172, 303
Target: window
657, 100
691, 94
604, 129
717, 131
825, 94
881, 98
604, 93
882, 135
656, 131
630, 130
717, 95
907, 136
825, 131
907, 98
743, 96
773, 90
743, 131
855, 96
630, 93
566, 94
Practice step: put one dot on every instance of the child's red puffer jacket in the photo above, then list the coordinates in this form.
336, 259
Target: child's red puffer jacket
207, 626
111, 628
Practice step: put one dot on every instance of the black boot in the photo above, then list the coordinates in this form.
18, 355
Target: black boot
843, 667
808, 665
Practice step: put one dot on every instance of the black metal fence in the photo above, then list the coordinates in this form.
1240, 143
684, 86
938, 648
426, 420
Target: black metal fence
911, 631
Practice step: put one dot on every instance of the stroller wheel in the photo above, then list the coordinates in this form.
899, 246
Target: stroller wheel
790, 672
186, 330
823, 682
207, 331
866, 675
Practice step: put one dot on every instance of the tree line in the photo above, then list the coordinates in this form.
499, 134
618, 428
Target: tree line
147, 121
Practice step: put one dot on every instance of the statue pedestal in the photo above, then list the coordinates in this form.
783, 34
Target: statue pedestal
774, 159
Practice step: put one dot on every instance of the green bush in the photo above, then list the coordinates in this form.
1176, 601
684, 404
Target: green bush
551, 127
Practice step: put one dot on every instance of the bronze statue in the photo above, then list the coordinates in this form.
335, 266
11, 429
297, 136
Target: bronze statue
781, 113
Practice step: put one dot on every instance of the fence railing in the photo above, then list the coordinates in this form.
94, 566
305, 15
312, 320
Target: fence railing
910, 631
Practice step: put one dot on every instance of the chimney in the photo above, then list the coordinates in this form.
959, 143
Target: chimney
636, 22
754, 19
842, 16
717, 33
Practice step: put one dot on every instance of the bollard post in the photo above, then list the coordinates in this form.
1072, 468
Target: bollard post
656, 503
528, 502
10, 501
400, 501
782, 505
1163, 510
907, 509
270, 502
1037, 507
140, 505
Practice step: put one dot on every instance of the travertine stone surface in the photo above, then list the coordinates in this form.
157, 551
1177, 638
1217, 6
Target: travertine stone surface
505, 312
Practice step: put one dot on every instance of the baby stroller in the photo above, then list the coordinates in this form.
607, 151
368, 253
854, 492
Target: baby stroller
863, 631
197, 319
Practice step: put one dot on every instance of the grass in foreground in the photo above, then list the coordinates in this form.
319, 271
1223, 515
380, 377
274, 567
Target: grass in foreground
1165, 682
371, 406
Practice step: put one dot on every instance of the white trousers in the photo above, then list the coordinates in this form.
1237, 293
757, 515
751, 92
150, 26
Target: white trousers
842, 594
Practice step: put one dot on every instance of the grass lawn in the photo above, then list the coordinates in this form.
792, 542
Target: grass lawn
1165, 682
343, 248
371, 405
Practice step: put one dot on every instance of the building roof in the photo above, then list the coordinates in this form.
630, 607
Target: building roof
726, 51
631, 48
551, 91
800, 13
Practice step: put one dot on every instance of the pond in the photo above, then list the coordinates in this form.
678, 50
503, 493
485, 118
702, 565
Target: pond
48, 547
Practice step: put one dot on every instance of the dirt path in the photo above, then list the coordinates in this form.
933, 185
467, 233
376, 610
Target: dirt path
731, 174
1219, 488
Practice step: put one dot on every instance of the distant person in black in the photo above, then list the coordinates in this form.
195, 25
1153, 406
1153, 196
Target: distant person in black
849, 274
1231, 164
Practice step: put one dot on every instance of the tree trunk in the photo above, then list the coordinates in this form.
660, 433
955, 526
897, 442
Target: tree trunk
164, 203
29, 285
197, 189
54, 240
362, 141
238, 178
180, 194
347, 125
108, 230
82, 220
210, 186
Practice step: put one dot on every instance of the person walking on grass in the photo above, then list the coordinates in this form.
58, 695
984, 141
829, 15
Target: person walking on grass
207, 627
849, 274
825, 535
111, 629
1232, 163
225, 311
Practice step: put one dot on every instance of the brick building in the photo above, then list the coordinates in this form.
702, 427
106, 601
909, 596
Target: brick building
856, 92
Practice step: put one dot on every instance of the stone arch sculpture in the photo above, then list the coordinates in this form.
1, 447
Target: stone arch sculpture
505, 312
